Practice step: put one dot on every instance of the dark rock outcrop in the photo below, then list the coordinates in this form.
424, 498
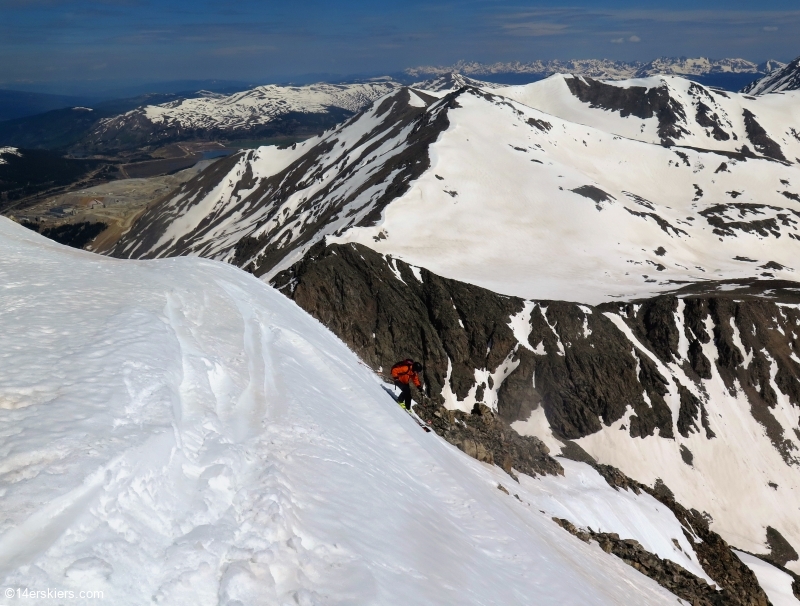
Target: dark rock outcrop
760, 139
577, 364
486, 437
634, 100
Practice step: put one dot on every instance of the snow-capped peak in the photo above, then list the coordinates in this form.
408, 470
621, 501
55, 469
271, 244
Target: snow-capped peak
452, 81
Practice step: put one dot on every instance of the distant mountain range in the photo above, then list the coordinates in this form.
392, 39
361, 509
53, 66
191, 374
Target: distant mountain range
604, 68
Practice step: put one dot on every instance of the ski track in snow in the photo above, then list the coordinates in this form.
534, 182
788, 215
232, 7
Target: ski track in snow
176, 431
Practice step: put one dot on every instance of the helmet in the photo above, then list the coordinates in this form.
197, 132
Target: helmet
417, 367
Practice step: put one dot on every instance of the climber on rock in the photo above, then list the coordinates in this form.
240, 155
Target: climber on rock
404, 373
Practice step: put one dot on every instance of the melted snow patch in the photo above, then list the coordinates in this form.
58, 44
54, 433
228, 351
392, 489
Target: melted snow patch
520, 324
8, 151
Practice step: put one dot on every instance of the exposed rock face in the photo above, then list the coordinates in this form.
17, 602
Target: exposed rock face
759, 138
634, 100
386, 317
575, 361
781, 550
484, 436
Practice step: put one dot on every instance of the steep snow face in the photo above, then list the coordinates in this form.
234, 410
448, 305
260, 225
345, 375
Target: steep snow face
254, 107
178, 432
784, 78
671, 110
486, 190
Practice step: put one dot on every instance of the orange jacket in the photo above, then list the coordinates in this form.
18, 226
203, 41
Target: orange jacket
404, 373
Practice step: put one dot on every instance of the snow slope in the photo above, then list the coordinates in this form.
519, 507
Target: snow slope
704, 118
178, 432
499, 208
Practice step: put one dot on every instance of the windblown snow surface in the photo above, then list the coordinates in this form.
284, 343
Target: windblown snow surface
177, 432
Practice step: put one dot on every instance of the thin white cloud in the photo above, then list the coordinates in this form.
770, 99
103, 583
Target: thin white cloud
618, 41
535, 28
634, 39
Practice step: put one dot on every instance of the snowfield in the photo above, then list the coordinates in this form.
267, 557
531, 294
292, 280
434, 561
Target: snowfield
526, 203
177, 432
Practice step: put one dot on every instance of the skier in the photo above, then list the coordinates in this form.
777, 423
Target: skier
404, 373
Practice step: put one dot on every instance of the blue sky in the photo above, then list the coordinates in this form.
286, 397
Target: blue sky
145, 40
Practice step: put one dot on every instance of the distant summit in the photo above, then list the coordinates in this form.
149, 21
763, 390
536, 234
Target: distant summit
452, 81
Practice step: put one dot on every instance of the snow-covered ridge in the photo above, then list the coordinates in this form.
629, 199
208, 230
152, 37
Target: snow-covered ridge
784, 78
256, 106
670, 110
178, 432
603, 68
